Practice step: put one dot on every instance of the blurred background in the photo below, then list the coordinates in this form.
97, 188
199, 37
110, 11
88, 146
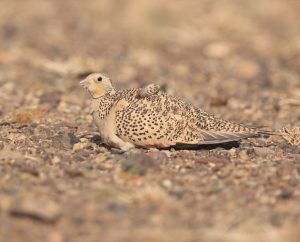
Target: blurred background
238, 59
212, 52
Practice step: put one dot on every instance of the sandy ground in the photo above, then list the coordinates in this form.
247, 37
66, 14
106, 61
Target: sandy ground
238, 59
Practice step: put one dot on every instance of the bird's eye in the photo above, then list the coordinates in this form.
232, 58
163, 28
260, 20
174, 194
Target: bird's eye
99, 79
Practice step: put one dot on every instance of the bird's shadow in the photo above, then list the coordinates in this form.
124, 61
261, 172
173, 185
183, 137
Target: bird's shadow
96, 139
227, 146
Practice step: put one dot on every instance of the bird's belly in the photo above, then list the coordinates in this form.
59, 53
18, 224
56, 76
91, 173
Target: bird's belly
147, 143
144, 137
106, 127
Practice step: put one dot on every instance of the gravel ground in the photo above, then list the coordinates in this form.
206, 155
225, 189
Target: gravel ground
238, 59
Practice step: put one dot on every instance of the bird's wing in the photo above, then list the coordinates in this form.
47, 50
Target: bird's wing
148, 122
194, 135
148, 90
216, 137
163, 121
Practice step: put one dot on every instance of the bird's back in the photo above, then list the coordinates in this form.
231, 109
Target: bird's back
161, 120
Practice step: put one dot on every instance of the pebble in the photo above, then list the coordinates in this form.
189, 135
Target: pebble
55, 160
79, 146
167, 183
263, 151
139, 164
244, 155
232, 152
1, 145
245, 68
101, 158
41, 209
218, 49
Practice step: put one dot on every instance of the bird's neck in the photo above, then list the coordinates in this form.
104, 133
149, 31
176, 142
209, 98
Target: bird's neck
102, 105
111, 91
100, 92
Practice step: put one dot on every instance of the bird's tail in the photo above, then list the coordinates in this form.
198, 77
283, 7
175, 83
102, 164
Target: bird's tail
268, 132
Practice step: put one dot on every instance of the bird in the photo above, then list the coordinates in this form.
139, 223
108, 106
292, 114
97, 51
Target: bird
147, 117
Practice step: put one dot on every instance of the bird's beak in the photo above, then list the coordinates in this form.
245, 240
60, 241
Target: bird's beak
83, 83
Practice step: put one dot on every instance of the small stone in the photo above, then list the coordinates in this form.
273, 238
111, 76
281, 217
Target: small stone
79, 146
232, 152
167, 183
263, 151
30, 170
52, 97
139, 164
284, 194
55, 236
100, 158
218, 101
244, 155
74, 172
55, 160
177, 167
291, 135
1, 145
182, 169
177, 192
42, 209
245, 68
218, 49
160, 157
64, 141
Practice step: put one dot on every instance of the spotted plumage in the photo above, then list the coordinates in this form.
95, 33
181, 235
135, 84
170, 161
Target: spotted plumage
146, 117
147, 91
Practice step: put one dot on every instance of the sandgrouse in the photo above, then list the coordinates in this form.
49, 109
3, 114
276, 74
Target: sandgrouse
146, 117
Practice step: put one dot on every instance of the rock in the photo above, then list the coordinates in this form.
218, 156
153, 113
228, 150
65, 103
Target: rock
52, 98
29, 170
159, 156
139, 164
1, 145
232, 152
244, 155
218, 49
263, 151
42, 209
245, 68
74, 172
101, 158
177, 192
166, 183
79, 146
64, 140
218, 100
56, 160
284, 193
291, 135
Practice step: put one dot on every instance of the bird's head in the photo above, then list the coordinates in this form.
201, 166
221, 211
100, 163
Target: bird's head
98, 85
